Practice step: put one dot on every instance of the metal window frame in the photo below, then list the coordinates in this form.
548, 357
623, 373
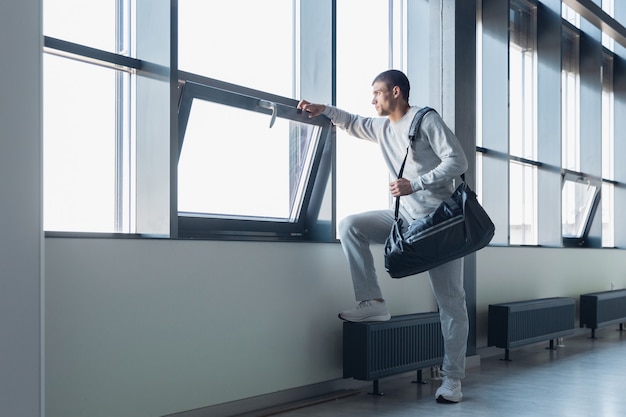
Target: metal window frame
91, 55
577, 177
307, 227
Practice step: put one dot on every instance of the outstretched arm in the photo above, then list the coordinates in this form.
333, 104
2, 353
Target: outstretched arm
361, 127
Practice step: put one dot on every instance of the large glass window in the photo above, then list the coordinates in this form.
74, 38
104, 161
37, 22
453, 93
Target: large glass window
523, 201
94, 23
579, 200
608, 214
88, 117
522, 123
92, 158
362, 177
570, 102
245, 42
80, 125
608, 152
217, 162
522, 82
248, 165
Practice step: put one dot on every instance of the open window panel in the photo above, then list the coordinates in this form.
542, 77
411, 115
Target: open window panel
579, 202
251, 166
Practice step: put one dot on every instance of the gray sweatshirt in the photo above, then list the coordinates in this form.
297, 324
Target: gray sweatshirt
436, 157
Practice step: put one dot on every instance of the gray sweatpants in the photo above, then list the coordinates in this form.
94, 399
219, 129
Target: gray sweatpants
357, 231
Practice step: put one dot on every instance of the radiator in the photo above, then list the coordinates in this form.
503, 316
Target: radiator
602, 309
373, 350
525, 322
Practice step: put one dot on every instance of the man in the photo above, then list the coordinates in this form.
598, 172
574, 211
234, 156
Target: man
435, 160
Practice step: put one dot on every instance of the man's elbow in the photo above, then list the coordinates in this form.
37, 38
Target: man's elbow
462, 165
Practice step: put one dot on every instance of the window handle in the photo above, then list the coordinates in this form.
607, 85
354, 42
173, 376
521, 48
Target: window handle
270, 106
584, 181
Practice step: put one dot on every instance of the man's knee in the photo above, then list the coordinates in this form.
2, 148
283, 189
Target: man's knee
347, 226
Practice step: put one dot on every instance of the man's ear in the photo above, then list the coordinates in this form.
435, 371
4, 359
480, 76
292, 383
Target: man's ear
396, 91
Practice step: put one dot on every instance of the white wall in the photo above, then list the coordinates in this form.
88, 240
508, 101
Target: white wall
152, 327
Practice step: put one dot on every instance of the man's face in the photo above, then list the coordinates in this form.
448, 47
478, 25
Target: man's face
383, 98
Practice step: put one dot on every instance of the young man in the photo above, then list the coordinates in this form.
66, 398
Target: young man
435, 160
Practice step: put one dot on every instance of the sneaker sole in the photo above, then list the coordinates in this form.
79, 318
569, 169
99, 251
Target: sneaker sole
366, 319
442, 400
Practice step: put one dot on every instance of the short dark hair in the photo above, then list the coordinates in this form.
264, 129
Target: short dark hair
393, 78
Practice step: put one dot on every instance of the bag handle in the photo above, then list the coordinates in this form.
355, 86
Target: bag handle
413, 130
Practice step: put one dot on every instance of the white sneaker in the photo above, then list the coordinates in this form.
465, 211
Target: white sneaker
449, 391
368, 310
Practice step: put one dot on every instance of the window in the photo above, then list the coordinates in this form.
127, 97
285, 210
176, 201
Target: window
561, 125
609, 7
580, 196
570, 99
570, 15
362, 177
522, 83
523, 203
522, 124
99, 24
608, 214
608, 152
249, 166
580, 191
99, 137
88, 79
85, 166
261, 52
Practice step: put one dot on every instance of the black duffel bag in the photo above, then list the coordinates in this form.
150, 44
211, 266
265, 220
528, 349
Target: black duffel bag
458, 227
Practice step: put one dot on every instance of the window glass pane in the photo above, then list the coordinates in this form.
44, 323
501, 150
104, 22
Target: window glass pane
570, 96
523, 206
251, 171
362, 177
608, 152
245, 42
608, 215
608, 122
91, 23
577, 201
516, 101
570, 15
79, 110
522, 131
609, 7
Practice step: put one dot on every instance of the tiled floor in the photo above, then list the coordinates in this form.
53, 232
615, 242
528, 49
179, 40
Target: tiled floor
586, 378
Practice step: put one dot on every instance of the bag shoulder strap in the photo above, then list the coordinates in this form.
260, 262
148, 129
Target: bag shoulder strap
417, 122
415, 127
